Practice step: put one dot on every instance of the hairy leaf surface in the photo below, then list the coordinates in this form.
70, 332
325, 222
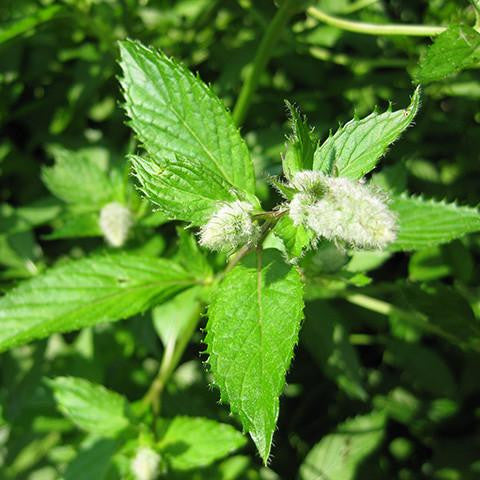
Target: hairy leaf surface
86, 292
90, 406
456, 48
195, 442
425, 223
252, 329
300, 145
355, 148
179, 119
185, 189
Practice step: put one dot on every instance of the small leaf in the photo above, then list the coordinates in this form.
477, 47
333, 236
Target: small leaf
90, 406
189, 255
252, 329
425, 223
85, 292
182, 124
92, 461
171, 318
295, 239
455, 49
325, 336
338, 455
26, 23
300, 146
193, 442
356, 147
76, 178
424, 366
441, 310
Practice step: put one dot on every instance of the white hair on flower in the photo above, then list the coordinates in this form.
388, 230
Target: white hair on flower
230, 227
342, 210
115, 222
145, 464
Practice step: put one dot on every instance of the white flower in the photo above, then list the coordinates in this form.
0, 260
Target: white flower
230, 227
145, 464
115, 222
342, 210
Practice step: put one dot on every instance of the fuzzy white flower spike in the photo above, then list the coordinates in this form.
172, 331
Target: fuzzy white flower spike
230, 227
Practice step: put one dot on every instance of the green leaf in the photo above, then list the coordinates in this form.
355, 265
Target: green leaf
92, 461
192, 442
253, 325
172, 318
295, 239
356, 147
427, 369
189, 255
338, 455
443, 311
184, 189
26, 23
77, 178
85, 292
455, 49
325, 336
89, 406
76, 225
300, 146
182, 124
425, 223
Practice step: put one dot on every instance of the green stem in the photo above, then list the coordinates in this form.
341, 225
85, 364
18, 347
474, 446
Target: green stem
260, 61
358, 5
171, 357
373, 28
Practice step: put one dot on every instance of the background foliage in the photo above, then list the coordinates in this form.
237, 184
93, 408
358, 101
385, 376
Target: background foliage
393, 334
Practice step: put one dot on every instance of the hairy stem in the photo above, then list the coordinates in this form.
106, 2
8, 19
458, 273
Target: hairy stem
260, 61
373, 28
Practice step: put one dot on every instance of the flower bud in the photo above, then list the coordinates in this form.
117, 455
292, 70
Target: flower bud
115, 223
309, 181
145, 464
230, 227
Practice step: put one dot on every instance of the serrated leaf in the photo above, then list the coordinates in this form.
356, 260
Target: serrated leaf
325, 336
78, 179
338, 455
179, 119
184, 189
425, 223
300, 146
458, 47
295, 239
194, 442
86, 292
252, 329
90, 406
355, 148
